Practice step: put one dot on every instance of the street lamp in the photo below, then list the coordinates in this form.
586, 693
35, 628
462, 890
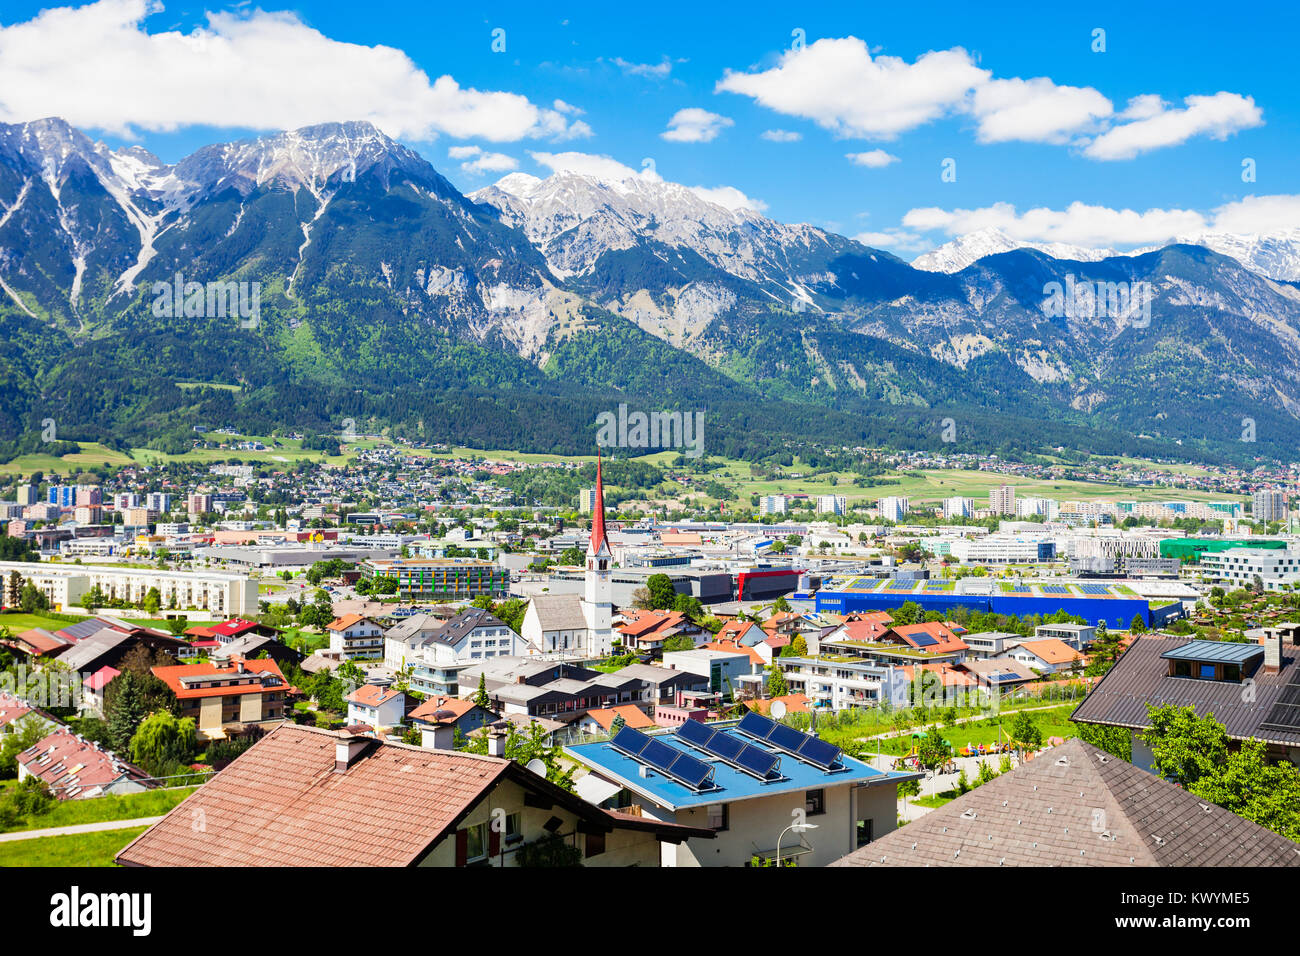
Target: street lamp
797, 828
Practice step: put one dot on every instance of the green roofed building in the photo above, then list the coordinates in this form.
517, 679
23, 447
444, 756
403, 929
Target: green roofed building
1191, 549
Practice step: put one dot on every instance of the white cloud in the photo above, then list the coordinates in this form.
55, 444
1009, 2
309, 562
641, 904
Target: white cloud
728, 196
655, 71
694, 125
781, 136
100, 68
897, 239
480, 162
837, 84
590, 164
1259, 214
1154, 125
1079, 224
873, 159
1036, 111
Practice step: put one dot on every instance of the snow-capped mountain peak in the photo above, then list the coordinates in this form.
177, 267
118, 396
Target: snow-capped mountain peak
969, 248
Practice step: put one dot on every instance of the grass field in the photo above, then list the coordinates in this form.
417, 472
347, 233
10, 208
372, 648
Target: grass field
1052, 723
128, 806
17, 623
76, 850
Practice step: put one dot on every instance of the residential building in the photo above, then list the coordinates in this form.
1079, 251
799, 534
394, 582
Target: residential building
327, 799
958, 508
226, 698
1268, 505
721, 667
772, 504
438, 718
76, 769
746, 797
586, 500
1002, 500
353, 636
1212, 677
1240, 567
1099, 810
1078, 636
831, 504
893, 508
1046, 656
221, 593
379, 708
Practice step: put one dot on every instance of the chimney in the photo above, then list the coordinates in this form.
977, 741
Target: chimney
1272, 650
347, 751
497, 739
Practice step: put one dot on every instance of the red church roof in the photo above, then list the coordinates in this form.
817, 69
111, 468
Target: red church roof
598, 515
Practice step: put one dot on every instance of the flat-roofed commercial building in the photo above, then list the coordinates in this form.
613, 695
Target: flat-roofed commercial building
444, 579
222, 593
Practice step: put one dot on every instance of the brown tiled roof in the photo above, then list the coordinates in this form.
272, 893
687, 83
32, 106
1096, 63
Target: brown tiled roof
1077, 806
281, 803
75, 767
257, 669
372, 695
1141, 677
455, 706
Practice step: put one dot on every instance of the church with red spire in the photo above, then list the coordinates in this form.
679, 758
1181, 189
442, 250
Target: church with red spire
597, 607
572, 625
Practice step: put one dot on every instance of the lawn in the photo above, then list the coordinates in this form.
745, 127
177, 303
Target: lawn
17, 623
153, 803
1051, 723
75, 850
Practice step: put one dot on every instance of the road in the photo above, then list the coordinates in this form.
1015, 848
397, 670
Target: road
79, 828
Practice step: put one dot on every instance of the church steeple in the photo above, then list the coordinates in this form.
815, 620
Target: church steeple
598, 543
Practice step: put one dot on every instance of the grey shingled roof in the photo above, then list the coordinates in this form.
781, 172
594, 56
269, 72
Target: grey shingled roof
560, 612
1076, 805
1141, 677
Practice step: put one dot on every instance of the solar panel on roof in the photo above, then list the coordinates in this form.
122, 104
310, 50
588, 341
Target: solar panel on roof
787, 738
725, 746
694, 732
659, 754
633, 741
923, 640
756, 725
819, 751
758, 761
694, 773
1285, 715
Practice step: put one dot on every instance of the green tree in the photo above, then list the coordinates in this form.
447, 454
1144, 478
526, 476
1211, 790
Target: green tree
1184, 747
679, 642
776, 685
481, 698
662, 593
124, 710
1024, 731
932, 751
1137, 625
152, 602
163, 741
28, 734
1251, 787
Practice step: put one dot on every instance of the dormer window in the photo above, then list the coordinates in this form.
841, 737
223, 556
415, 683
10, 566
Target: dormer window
1222, 661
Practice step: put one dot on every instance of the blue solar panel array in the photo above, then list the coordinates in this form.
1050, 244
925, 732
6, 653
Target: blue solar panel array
805, 747
923, 640
755, 761
1054, 589
675, 763
1094, 589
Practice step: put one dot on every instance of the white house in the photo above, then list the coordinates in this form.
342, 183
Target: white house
377, 707
353, 636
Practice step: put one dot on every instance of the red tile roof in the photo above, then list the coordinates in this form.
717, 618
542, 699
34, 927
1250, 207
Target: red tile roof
266, 667
632, 716
598, 515
455, 706
371, 695
73, 767
734, 647
946, 640
101, 678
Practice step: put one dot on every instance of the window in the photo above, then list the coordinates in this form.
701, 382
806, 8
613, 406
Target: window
718, 818
514, 827
814, 802
865, 832
477, 845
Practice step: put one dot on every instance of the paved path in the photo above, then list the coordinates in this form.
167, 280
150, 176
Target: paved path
79, 828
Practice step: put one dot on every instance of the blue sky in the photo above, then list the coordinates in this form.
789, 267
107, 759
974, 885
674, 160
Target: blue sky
1015, 94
